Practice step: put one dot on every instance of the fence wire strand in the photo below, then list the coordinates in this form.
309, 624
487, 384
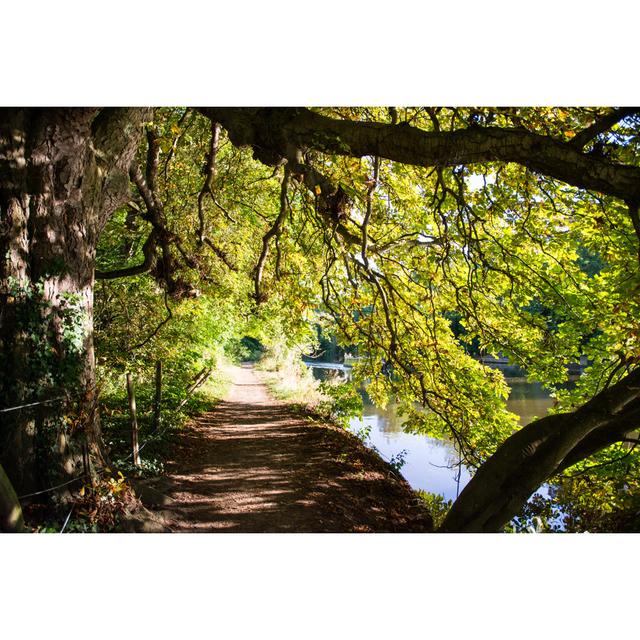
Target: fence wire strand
32, 404
103, 471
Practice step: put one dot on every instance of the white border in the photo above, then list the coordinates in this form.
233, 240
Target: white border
285, 52
335, 52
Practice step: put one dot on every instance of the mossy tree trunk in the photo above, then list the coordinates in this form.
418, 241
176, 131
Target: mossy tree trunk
62, 173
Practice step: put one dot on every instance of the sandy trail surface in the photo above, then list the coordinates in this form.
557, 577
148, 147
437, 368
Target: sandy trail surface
255, 464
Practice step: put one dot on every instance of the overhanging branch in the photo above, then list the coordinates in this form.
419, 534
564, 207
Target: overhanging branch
148, 250
273, 231
271, 132
210, 172
540, 450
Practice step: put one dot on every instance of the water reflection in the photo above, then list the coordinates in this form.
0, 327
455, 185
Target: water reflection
428, 463
431, 464
528, 400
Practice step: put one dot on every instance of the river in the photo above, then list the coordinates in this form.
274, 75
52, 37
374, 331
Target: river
430, 464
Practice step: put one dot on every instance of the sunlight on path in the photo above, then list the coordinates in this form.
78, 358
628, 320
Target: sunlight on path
254, 464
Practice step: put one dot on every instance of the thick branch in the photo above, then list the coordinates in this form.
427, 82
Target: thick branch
614, 430
153, 157
116, 134
332, 203
143, 189
210, 172
538, 451
601, 125
149, 252
155, 215
274, 230
272, 131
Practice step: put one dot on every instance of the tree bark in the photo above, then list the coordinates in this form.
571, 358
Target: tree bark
62, 173
275, 133
501, 486
11, 520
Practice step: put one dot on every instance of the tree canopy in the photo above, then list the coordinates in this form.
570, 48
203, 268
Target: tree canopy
410, 233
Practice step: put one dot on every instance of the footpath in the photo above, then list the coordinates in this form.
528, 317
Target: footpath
255, 464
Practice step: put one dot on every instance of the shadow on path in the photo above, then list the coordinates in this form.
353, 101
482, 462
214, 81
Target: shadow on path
254, 464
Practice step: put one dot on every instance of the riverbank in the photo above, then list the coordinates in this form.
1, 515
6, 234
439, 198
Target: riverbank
256, 464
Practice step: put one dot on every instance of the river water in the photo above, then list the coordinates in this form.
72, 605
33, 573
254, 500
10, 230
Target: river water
430, 464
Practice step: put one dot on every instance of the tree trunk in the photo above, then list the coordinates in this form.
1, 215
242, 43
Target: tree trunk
535, 453
11, 520
275, 132
62, 173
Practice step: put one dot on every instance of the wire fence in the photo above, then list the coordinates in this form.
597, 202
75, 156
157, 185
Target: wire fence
100, 473
32, 404
50, 489
66, 522
27, 406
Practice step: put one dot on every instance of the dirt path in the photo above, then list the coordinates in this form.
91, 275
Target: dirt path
254, 464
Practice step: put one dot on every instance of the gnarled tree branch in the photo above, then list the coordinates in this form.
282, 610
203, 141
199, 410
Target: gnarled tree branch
272, 131
540, 450
155, 215
210, 172
273, 231
149, 252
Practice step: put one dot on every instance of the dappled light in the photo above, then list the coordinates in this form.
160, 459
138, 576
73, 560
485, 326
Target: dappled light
440, 256
256, 465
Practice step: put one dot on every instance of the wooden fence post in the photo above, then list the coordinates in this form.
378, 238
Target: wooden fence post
86, 465
158, 398
134, 421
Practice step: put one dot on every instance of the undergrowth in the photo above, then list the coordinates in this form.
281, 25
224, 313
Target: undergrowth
289, 379
98, 505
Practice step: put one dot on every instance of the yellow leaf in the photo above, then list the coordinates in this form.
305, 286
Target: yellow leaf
82, 491
569, 134
318, 190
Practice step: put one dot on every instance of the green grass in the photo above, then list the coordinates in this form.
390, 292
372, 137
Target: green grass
116, 420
